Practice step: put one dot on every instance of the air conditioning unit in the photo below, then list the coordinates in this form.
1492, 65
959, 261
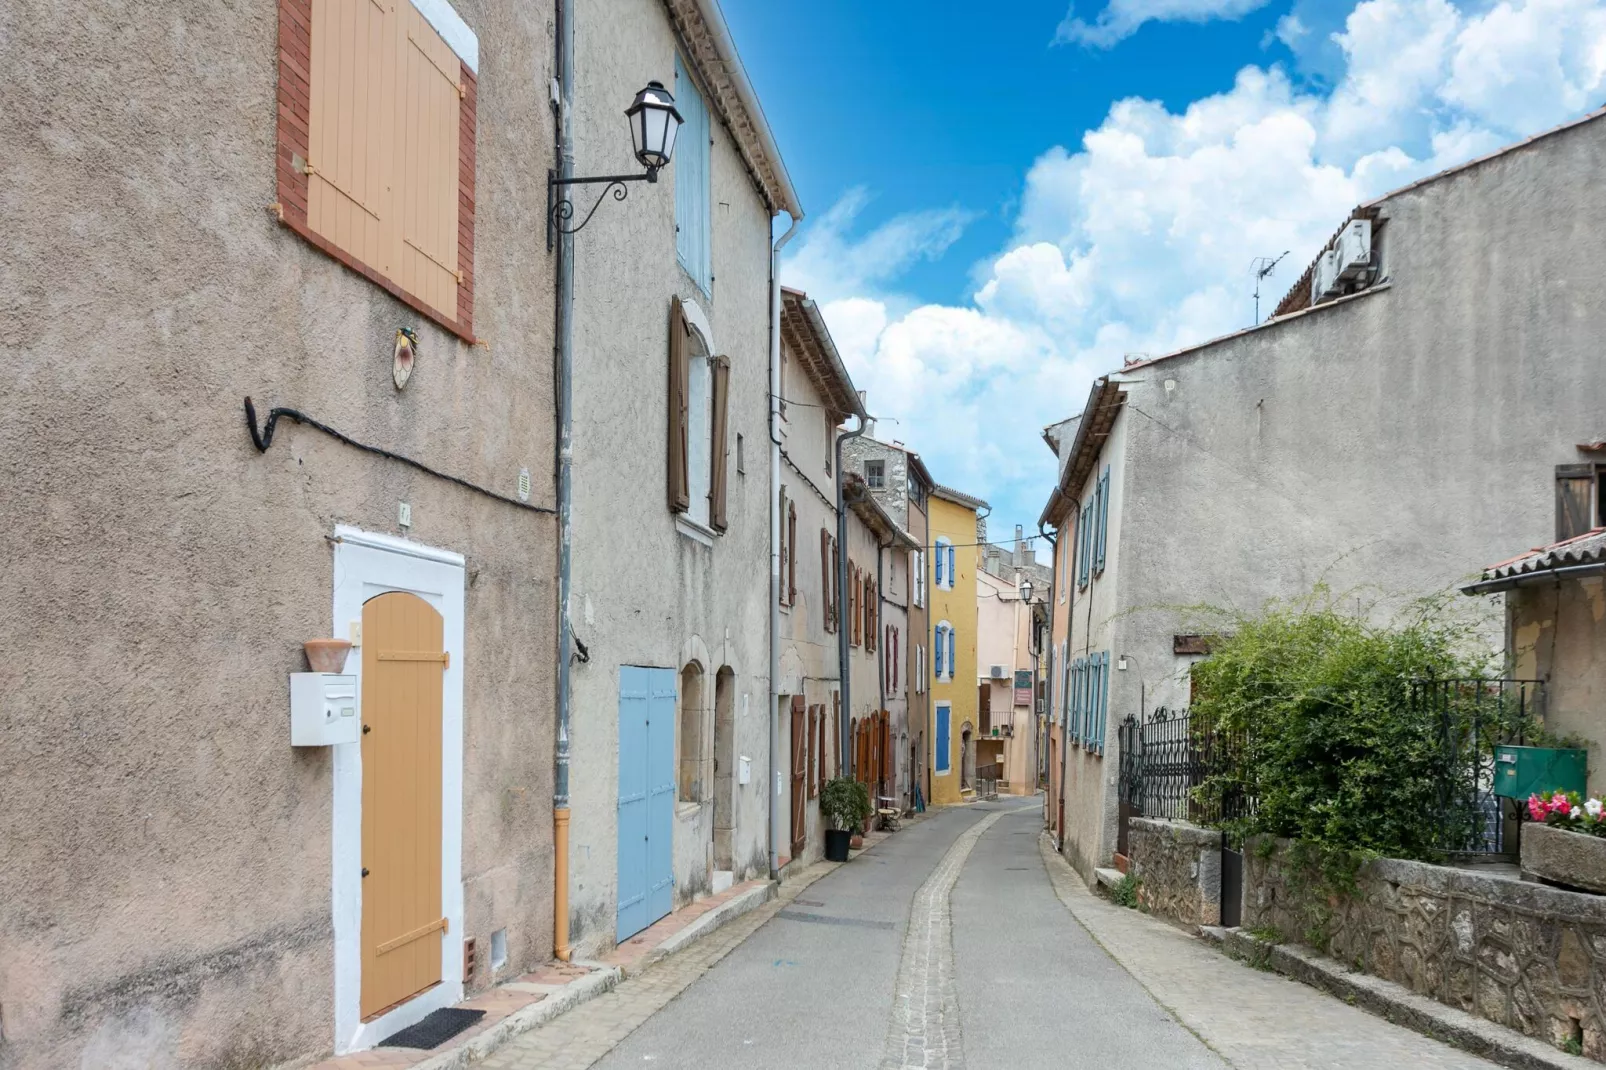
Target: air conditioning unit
1000, 673
1324, 278
1353, 249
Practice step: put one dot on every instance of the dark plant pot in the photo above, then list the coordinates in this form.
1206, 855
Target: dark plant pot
836, 845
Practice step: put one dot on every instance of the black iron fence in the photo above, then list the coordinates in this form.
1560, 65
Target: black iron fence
1166, 759
1471, 717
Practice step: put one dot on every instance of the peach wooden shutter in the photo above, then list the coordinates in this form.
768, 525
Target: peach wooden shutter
716, 474
815, 759
825, 579
428, 99
679, 448
350, 129
387, 181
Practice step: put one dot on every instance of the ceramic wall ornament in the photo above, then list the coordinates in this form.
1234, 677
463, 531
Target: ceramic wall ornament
406, 354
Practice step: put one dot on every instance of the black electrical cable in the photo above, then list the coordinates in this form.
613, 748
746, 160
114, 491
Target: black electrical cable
264, 438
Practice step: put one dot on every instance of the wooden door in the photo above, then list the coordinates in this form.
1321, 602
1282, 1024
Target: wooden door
645, 878
403, 663
800, 777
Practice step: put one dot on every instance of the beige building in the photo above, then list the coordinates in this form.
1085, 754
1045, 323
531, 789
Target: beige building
817, 397
1007, 738
189, 224
673, 346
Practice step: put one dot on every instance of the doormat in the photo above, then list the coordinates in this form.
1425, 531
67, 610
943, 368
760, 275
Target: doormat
437, 1028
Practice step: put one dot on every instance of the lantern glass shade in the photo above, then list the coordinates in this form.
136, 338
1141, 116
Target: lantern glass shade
1026, 591
654, 122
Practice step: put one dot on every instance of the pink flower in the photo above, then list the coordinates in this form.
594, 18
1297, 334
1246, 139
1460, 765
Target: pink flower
1536, 808
1559, 804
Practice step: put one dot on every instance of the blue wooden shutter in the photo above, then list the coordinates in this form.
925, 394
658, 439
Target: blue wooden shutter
1104, 694
944, 713
691, 171
952, 575
938, 563
952, 660
936, 654
1104, 514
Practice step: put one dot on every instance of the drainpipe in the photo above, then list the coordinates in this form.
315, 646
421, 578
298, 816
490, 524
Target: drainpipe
776, 520
844, 671
881, 662
565, 344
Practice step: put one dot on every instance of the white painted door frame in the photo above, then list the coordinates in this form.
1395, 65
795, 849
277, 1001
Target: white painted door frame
366, 565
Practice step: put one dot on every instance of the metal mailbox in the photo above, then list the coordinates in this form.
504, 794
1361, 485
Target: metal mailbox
1521, 771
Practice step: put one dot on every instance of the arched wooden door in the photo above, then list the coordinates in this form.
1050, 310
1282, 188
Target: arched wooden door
403, 665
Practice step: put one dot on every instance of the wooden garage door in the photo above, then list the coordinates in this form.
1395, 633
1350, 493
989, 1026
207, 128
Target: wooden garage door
403, 665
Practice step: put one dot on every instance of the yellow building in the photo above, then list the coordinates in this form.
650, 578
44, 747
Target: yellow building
951, 571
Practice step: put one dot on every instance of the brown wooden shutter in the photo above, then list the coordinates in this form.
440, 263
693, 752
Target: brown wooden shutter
716, 473
791, 553
787, 538
1575, 484
814, 751
823, 750
679, 450
825, 578
836, 587
800, 747
836, 727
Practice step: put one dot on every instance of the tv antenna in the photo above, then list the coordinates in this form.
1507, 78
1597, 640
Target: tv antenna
1263, 266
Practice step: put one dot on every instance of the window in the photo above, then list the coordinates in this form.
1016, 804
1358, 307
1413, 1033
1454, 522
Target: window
944, 650
920, 668
816, 755
945, 563
1084, 546
689, 735
698, 424
827, 587
942, 760
693, 230
1580, 503
388, 73
1103, 520
830, 438
875, 474
920, 577
1066, 538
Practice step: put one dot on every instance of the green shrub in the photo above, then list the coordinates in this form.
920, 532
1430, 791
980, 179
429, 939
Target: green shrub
1124, 892
844, 803
1335, 752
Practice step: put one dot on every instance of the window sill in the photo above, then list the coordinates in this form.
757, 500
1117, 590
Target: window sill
695, 531
687, 809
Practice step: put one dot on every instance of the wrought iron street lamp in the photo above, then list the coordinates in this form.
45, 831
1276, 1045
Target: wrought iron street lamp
1026, 590
654, 122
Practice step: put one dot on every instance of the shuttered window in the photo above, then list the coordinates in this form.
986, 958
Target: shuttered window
693, 232
376, 159
1104, 697
814, 751
827, 617
1104, 518
719, 434
679, 445
941, 563
1575, 490
939, 651
942, 760
953, 655
789, 581
1085, 546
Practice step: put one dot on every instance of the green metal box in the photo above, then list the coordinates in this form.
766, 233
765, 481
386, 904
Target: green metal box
1522, 771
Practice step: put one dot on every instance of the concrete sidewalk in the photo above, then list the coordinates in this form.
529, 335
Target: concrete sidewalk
1254, 1019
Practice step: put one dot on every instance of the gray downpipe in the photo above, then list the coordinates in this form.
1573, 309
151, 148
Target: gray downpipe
844, 668
776, 520
565, 414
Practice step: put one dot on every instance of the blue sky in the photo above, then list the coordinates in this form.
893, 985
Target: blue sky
1001, 206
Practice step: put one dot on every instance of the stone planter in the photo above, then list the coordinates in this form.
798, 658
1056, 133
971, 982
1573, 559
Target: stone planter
1575, 859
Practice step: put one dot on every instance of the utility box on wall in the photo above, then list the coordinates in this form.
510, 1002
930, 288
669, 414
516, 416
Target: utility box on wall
1522, 771
323, 709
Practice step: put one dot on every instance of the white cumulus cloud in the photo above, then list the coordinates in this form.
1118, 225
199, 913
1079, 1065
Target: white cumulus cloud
1138, 239
1121, 19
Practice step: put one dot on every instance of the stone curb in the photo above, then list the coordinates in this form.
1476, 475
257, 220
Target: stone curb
581, 990
723, 914
1397, 1004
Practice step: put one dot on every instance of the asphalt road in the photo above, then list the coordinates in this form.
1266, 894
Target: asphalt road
814, 987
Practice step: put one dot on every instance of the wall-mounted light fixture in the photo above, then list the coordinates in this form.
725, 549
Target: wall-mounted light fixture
654, 122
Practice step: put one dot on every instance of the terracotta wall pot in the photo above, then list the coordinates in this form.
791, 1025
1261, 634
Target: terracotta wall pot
1575, 859
326, 655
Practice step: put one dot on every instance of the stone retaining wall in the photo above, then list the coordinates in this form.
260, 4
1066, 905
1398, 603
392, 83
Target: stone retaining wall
1179, 867
1524, 955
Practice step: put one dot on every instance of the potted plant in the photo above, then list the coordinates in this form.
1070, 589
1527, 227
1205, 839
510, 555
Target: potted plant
1566, 843
844, 806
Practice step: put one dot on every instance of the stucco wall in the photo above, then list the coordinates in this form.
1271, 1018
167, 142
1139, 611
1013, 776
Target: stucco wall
918, 637
1555, 634
808, 654
1095, 623
1390, 445
165, 896
957, 605
644, 593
